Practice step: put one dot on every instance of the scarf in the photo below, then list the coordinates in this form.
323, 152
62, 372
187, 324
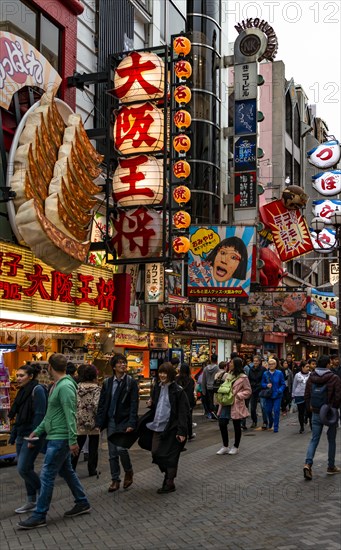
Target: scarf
22, 407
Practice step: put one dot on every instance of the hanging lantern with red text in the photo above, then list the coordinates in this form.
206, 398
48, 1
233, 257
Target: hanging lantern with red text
139, 129
138, 180
182, 94
181, 169
139, 77
181, 194
181, 245
181, 143
181, 219
183, 69
137, 233
181, 45
182, 119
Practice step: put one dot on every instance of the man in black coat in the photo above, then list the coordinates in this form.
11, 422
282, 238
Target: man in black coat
117, 412
255, 377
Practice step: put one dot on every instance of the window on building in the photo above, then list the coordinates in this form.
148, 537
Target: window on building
22, 19
175, 22
297, 173
297, 124
288, 114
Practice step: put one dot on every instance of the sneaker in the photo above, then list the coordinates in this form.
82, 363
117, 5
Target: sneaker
194, 424
193, 436
307, 472
233, 451
333, 470
209, 416
224, 451
32, 523
77, 510
28, 507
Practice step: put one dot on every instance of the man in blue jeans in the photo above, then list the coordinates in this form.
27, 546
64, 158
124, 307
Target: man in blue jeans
322, 377
59, 424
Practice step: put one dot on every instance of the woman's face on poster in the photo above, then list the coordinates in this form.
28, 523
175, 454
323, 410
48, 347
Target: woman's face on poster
225, 263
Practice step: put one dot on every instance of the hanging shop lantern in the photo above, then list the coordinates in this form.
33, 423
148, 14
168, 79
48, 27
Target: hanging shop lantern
181, 45
183, 69
139, 77
138, 180
137, 233
139, 129
182, 119
182, 94
181, 219
181, 245
181, 169
181, 143
181, 194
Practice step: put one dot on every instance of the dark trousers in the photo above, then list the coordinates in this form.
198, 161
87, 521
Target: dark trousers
209, 400
170, 472
93, 452
301, 414
223, 425
190, 424
243, 420
286, 400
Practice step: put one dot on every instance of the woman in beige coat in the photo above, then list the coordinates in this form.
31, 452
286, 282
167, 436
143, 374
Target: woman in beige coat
241, 390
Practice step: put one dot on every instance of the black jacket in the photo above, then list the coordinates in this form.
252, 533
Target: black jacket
320, 377
126, 408
255, 378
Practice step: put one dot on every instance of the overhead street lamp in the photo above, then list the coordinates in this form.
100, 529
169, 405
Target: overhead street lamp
318, 225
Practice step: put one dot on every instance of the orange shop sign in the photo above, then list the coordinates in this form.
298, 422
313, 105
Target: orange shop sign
127, 337
29, 285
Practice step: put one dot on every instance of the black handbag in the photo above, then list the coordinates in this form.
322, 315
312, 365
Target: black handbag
266, 392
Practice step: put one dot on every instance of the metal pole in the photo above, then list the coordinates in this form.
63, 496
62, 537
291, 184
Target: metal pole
338, 244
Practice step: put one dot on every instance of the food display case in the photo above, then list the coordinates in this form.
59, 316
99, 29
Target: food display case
7, 451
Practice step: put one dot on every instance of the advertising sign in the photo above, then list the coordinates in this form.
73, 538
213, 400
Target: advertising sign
176, 318
273, 311
334, 273
154, 284
325, 155
22, 65
29, 285
245, 153
245, 81
289, 229
245, 117
326, 301
219, 261
245, 186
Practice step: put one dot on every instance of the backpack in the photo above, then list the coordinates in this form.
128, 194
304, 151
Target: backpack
319, 396
218, 380
224, 394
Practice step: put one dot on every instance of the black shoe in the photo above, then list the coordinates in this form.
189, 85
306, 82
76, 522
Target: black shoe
31, 523
244, 428
302, 431
166, 488
93, 473
77, 510
253, 425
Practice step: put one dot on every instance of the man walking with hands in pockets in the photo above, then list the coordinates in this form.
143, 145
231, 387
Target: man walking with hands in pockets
60, 427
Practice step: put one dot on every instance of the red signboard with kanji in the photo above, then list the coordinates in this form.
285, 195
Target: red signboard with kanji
289, 229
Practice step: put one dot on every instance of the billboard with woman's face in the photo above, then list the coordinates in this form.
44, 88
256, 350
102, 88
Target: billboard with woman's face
219, 262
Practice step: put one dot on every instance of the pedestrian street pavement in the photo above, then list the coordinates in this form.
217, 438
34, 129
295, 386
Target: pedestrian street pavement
255, 500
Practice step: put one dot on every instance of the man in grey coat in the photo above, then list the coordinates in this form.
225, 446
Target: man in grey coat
207, 385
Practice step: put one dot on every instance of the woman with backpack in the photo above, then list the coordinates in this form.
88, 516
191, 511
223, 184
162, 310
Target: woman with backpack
239, 389
187, 383
28, 410
298, 390
88, 393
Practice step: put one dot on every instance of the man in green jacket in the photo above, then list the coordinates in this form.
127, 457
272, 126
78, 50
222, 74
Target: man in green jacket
60, 427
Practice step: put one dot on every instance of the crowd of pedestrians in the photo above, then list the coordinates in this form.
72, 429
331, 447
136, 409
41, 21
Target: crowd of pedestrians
57, 418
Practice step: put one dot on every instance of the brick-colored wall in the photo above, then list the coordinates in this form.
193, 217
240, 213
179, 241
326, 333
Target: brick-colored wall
66, 18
